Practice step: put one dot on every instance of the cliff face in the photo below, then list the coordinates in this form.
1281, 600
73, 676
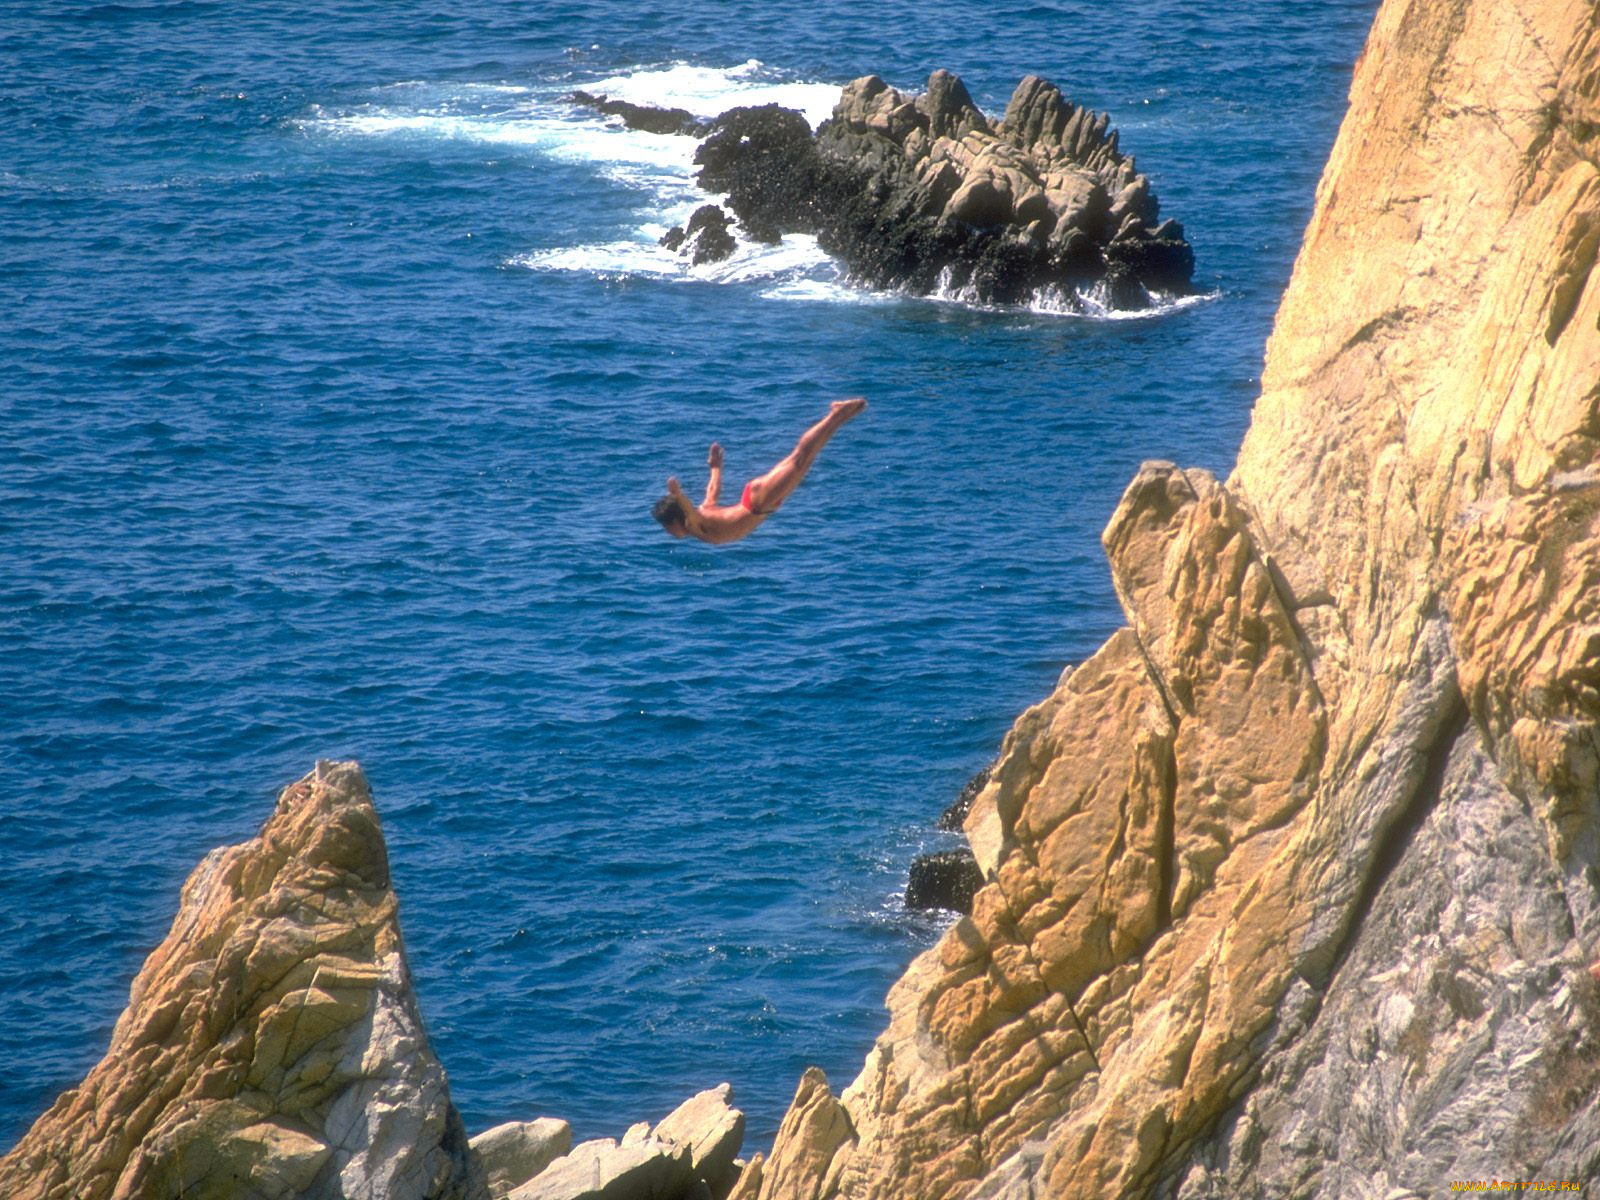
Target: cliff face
272, 1046
1294, 886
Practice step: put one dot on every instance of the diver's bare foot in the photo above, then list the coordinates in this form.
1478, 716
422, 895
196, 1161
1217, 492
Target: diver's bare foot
845, 409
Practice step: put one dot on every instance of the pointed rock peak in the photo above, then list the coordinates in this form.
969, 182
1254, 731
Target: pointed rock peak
272, 1045
949, 107
1031, 90
1036, 112
326, 821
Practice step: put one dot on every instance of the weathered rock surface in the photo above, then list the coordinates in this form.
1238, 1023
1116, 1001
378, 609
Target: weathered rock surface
641, 1168
689, 1155
711, 1129
272, 1046
812, 1144
272, 1049
513, 1153
1293, 888
927, 194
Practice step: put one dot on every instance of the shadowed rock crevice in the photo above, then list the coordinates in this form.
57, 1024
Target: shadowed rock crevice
1395, 840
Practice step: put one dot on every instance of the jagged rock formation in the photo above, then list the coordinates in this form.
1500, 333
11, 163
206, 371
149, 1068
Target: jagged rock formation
272, 1046
712, 1130
927, 194
1294, 886
272, 1050
703, 238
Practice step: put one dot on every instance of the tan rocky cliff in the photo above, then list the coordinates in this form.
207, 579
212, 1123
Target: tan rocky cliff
272, 1046
1293, 885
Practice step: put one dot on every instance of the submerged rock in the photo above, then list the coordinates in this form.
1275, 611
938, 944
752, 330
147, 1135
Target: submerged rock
272, 1045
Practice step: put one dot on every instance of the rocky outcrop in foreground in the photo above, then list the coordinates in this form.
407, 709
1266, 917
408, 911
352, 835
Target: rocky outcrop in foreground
1293, 888
688, 1155
927, 194
272, 1050
272, 1046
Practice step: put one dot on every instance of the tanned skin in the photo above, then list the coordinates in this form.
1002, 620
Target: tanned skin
718, 523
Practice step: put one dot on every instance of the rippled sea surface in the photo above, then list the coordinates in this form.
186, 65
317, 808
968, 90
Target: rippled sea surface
338, 371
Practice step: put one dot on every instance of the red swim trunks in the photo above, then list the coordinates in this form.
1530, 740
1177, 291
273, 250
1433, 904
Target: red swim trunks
745, 500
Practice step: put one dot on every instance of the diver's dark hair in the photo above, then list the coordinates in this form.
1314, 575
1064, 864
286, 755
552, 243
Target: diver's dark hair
669, 512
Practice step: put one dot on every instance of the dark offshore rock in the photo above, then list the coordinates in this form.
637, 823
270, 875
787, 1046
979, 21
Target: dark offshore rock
776, 181
705, 238
927, 194
953, 817
948, 879
645, 117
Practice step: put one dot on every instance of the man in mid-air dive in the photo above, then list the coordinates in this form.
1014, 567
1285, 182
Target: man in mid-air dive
718, 523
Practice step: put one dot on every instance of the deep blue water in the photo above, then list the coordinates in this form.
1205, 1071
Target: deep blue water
338, 372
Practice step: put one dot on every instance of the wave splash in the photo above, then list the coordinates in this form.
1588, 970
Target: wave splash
541, 121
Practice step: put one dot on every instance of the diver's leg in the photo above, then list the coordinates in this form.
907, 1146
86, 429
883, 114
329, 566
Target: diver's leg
773, 488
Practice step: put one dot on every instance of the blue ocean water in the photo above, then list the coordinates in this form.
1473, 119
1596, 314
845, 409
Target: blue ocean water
338, 372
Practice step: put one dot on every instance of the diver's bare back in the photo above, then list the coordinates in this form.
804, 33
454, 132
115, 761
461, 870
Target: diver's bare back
718, 523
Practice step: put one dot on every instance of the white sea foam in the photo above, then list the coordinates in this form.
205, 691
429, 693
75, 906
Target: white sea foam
1092, 303
795, 259
827, 288
547, 126
709, 91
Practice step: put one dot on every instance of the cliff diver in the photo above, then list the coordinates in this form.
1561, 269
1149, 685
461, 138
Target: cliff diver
718, 523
